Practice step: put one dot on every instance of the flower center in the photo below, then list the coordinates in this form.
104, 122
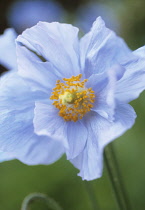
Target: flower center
72, 98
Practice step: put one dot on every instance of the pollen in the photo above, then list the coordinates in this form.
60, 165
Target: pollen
72, 99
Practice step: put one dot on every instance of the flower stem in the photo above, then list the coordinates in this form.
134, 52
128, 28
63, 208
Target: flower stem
116, 179
91, 194
51, 204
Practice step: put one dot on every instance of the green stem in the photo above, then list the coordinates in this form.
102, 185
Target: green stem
51, 204
116, 179
91, 194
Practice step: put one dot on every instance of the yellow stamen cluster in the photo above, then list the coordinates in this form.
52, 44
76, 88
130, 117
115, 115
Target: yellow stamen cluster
72, 98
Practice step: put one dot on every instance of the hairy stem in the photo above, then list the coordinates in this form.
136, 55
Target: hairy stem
50, 203
116, 179
92, 195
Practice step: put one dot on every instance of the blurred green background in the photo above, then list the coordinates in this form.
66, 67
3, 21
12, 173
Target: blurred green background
60, 180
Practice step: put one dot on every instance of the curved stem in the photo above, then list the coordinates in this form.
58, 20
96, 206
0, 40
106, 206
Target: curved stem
51, 204
91, 194
116, 179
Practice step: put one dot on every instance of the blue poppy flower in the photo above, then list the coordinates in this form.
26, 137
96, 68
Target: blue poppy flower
69, 96
26, 13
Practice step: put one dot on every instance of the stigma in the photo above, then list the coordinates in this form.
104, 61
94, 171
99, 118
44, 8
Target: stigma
72, 99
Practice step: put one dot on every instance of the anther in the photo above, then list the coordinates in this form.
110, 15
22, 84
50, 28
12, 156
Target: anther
72, 98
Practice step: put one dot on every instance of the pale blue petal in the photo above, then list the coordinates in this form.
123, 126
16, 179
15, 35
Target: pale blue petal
18, 137
48, 122
130, 87
73, 135
90, 161
57, 43
100, 133
15, 93
100, 49
40, 75
133, 81
77, 136
140, 52
8, 49
104, 85
106, 131
104, 95
16, 123
5, 156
